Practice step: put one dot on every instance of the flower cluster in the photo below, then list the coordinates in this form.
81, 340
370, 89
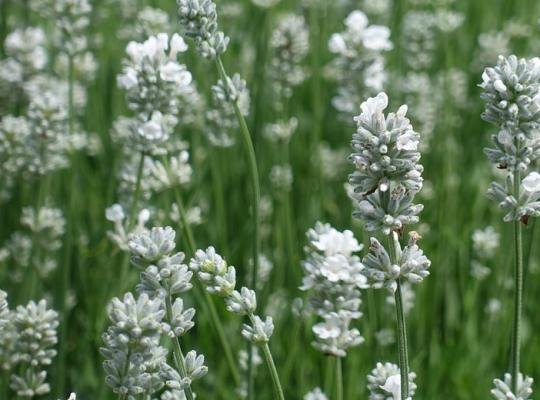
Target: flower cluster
511, 91
161, 311
503, 391
290, 45
315, 394
152, 77
120, 236
219, 279
72, 18
359, 63
29, 337
333, 276
133, 356
381, 272
485, 243
387, 175
384, 382
35, 247
222, 118
199, 21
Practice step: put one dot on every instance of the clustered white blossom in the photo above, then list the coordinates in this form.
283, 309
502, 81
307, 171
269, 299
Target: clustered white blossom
163, 279
289, 44
72, 18
35, 247
152, 77
222, 117
359, 66
218, 278
199, 21
485, 244
384, 382
411, 266
27, 340
387, 174
133, 356
503, 388
511, 91
315, 394
333, 276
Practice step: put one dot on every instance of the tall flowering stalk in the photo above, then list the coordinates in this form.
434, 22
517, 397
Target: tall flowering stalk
387, 178
199, 21
511, 90
333, 277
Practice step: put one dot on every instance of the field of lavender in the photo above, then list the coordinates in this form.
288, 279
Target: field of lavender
269, 199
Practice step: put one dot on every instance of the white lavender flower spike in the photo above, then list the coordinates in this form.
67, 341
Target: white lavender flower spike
213, 272
380, 272
315, 394
503, 388
199, 21
133, 341
384, 383
153, 245
333, 276
259, 332
385, 149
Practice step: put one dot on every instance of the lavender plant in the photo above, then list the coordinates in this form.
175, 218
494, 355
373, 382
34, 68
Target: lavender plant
387, 178
511, 90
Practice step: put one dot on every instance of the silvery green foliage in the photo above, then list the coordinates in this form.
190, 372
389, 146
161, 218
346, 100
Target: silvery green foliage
385, 149
199, 21
72, 18
387, 212
315, 394
152, 77
133, 356
359, 64
289, 44
517, 209
214, 273
33, 349
333, 276
412, 265
503, 388
120, 236
220, 279
384, 382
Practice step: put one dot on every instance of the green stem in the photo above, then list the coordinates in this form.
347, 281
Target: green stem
271, 367
518, 291
254, 175
395, 249
68, 246
339, 379
178, 355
